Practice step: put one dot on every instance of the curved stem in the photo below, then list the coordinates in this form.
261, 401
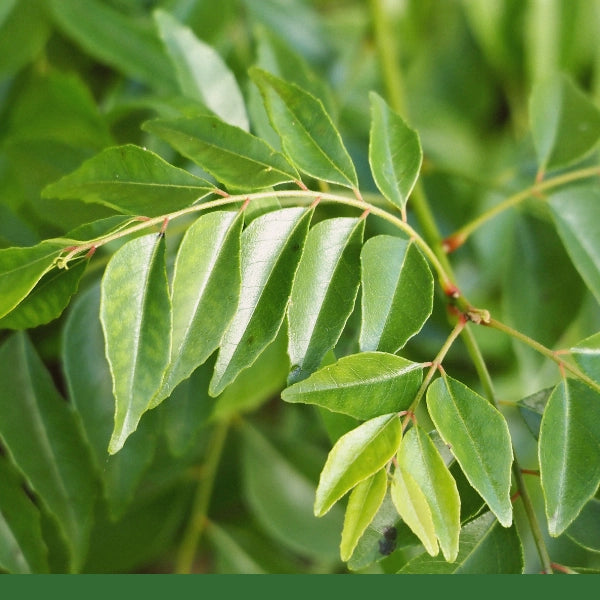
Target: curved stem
197, 523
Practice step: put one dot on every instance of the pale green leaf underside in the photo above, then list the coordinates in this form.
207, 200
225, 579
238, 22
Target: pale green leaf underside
324, 292
363, 385
479, 438
397, 293
135, 311
395, 153
569, 452
355, 456
271, 248
131, 180
308, 136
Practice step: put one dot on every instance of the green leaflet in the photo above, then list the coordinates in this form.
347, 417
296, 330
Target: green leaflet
129, 45
565, 123
131, 180
587, 356
280, 497
363, 504
479, 438
201, 73
484, 548
22, 268
135, 311
308, 136
22, 547
323, 292
363, 385
355, 456
397, 293
89, 386
271, 248
532, 408
413, 508
576, 214
585, 530
206, 286
234, 157
395, 153
30, 403
569, 452
418, 457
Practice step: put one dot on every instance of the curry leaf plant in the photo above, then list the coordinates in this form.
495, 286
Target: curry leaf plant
265, 308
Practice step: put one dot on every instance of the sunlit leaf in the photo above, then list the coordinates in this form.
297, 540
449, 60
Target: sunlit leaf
323, 292
363, 385
569, 452
135, 311
397, 293
479, 438
355, 457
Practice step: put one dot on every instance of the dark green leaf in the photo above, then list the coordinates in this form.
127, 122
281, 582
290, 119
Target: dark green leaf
38, 428
479, 438
201, 73
355, 457
569, 452
395, 153
131, 180
135, 311
532, 408
271, 248
484, 548
363, 504
397, 293
234, 157
308, 136
363, 385
585, 529
565, 123
22, 547
324, 292
206, 285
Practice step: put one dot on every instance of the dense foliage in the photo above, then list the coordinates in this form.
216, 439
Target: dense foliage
299, 287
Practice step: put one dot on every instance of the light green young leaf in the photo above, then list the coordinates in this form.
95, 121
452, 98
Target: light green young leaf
484, 548
22, 268
419, 457
271, 248
363, 385
29, 402
395, 153
355, 457
135, 311
308, 136
89, 386
129, 45
22, 547
587, 356
565, 123
479, 438
131, 180
234, 157
206, 286
397, 293
412, 506
576, 213
323, 292
201, 73
363, 504
569, 452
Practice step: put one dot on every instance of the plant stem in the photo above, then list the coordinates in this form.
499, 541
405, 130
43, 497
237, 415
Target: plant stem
458, 238
197, 523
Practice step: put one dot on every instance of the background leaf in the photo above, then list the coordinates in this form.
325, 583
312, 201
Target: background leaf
479, 438
271, 248
397, 293
569, 452
135, 311
323, 292
585, 529
363, 385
